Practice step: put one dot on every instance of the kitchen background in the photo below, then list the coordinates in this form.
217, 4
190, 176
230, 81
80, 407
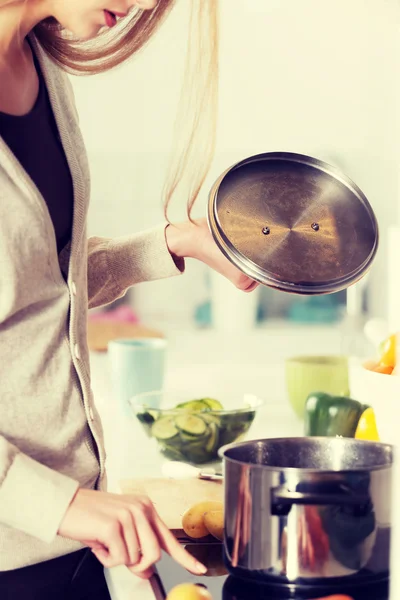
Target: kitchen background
307, 76
311, 77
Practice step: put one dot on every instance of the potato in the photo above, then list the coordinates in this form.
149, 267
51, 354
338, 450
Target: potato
189, 591
214, 522
193, 519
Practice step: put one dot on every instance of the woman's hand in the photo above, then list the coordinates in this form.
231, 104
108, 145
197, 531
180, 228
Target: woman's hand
194, 240
123, 530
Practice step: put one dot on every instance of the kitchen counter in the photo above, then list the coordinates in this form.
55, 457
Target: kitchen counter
132, 455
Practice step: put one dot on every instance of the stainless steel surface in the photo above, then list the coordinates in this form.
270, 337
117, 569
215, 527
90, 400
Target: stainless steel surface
307, 508
317, 453
294, 223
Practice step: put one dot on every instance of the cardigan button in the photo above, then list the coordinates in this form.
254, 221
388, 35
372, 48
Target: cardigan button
73, 288
77, 352
91, 414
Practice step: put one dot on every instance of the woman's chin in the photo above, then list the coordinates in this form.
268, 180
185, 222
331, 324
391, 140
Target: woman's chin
85, 34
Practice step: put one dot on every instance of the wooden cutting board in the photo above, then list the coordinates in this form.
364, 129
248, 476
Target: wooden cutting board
102, 332
172, 497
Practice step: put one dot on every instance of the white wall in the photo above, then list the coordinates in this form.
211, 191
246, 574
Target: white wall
309, 76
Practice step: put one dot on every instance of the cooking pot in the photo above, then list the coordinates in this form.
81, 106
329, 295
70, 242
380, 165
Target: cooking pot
307, 509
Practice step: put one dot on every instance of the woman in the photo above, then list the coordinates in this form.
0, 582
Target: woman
52, 509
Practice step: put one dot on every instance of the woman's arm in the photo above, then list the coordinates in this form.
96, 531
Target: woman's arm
114, 265
33, 497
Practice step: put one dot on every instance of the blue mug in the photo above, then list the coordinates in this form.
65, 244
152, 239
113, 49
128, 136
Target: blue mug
137, 366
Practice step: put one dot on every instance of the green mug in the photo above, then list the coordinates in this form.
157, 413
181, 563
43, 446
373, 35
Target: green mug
307, 374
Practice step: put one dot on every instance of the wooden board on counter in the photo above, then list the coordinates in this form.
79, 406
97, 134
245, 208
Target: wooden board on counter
172, 497
100, 333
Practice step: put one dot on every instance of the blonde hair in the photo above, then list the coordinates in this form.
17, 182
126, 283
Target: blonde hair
196, 122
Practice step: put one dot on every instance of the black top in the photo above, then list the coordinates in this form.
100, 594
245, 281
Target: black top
35, 142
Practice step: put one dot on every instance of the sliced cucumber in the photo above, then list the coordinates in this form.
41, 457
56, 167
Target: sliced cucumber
197, 456
196, 445
211, 418
194, 406
188, 438
213, 404
191, 425
164, 429
154, 413
212, 442
172, 453
195, 430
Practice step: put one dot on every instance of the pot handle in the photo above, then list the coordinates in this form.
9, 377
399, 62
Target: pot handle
283, 499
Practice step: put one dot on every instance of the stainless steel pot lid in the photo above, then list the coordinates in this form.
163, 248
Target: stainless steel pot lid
294, 223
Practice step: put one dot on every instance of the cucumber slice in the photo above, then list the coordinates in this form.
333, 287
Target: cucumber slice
211, 418
191, 424
172, 453
188, 438
212, 442
196, 445
194, 406
197, 456
213, 404
154, 413
164, 429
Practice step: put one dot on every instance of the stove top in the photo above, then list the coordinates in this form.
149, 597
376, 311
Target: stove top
223, 586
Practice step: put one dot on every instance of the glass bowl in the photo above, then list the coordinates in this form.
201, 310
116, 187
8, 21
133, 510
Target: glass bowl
190, 429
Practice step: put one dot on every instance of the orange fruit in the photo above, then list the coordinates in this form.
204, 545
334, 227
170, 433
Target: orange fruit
366, 428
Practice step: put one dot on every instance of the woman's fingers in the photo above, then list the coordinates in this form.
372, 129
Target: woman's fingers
146, 574
200, 244
123, 530
149, 543
115, 551
252, 286
170, 544
93, 544
154, 536
130, 536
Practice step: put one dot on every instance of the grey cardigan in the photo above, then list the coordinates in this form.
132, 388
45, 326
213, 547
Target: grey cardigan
51, 439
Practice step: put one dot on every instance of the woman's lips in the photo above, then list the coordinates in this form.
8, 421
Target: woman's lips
110, 18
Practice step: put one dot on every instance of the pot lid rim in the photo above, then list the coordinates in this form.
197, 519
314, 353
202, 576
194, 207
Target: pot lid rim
263, 276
